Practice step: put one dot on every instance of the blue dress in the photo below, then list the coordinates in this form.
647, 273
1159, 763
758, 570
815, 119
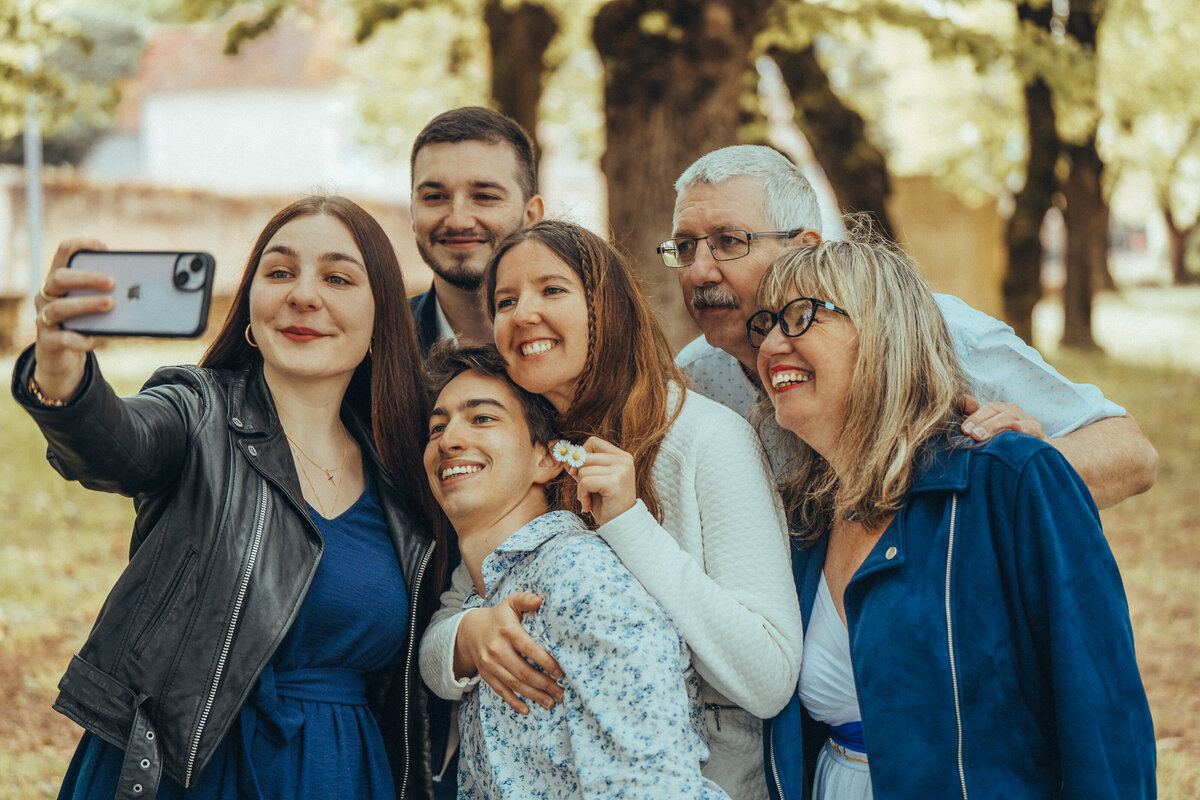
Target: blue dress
306, 730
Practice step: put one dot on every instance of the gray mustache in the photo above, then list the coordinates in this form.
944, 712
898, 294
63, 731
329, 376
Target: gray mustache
713, 297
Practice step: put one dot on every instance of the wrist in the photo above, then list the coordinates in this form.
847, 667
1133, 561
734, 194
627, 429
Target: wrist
44, 399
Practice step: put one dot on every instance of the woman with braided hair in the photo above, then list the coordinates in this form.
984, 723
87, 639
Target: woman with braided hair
677, 485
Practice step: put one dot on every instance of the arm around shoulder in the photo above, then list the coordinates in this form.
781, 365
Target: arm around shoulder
1113, 456
437, 643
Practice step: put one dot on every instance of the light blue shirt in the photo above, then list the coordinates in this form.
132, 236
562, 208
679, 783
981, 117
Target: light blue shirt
629, 724
999, 364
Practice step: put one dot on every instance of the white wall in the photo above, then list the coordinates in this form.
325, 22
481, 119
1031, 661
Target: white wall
255, 141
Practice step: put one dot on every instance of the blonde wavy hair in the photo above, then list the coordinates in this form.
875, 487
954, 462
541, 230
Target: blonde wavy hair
906, 385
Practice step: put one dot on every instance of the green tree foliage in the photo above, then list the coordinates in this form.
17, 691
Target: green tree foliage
67, 61
1151, 130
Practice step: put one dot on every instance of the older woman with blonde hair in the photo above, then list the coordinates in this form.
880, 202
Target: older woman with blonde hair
676, 484
966, 632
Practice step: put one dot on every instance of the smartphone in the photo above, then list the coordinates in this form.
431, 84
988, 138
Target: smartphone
156, 294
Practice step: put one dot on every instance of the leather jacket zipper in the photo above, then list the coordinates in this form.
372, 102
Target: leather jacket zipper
962, 772
412, 637
259, 523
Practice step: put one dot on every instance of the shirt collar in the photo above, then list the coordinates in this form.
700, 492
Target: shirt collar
444, 331
526, 539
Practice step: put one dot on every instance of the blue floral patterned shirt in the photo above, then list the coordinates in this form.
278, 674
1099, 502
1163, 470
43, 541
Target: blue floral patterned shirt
629, 724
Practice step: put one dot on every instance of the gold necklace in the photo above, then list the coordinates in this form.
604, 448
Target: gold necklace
328, 474
317, 498
327, 470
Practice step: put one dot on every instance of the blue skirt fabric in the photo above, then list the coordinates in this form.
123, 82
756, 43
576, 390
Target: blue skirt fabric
306, 731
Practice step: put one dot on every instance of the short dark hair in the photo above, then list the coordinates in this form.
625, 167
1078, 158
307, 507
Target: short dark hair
448, 359
478, 124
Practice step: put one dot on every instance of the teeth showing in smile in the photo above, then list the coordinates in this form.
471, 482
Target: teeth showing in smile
461, 469
788, 378
537, 348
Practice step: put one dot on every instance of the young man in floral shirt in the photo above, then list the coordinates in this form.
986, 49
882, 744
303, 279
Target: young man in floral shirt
627, 723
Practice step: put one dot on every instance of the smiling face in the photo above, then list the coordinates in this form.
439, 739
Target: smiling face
808, 379
485, 471
465, 199
311, 307
541, 324
720, 294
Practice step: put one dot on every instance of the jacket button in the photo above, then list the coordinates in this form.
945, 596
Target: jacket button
137, 788
252, 450
891, 553
149, 736
237, 423
145, 763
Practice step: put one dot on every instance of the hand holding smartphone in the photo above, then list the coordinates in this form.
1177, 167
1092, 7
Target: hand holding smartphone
160, 294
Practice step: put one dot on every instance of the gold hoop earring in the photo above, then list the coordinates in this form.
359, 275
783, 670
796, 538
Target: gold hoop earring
250, 337
370, 345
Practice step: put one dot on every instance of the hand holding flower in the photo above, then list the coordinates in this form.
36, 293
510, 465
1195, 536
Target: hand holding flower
604, 475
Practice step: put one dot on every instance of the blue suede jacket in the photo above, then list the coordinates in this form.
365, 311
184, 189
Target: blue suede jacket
991, 643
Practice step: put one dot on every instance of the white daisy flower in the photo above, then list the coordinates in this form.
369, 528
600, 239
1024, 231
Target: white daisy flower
561, 450
576, 456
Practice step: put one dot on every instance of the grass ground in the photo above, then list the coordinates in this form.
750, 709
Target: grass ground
63, 546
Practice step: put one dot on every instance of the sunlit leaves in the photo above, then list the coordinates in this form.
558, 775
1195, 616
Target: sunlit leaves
50, 61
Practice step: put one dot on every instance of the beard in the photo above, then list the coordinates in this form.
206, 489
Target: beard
455, 270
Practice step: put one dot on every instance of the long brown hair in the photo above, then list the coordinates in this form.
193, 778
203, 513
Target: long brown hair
623, 393
907, 378
387, 386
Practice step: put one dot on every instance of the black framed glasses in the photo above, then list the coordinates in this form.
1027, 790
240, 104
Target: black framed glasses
724, 245
793, 319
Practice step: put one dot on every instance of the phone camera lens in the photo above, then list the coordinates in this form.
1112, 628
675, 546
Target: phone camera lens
197, 264
181, 279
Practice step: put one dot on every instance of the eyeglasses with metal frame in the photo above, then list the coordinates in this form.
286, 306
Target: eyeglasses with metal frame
793, 319
724, 245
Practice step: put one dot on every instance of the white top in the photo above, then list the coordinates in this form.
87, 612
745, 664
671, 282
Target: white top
827, 675
444, 331
720, 566
999, 364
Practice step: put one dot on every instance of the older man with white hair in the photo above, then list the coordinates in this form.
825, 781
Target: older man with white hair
736, 208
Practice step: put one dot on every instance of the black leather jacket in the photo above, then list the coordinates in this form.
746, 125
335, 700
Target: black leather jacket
221, 558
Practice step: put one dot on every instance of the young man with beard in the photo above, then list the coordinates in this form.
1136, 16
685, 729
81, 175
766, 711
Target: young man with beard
474, 181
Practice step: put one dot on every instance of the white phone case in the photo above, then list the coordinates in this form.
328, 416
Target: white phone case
156, 293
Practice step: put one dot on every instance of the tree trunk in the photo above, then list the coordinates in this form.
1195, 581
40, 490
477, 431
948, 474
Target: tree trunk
1086, 217
856, 169
674, 78
519, 38
1176, 244
1022, 286
1086, 214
